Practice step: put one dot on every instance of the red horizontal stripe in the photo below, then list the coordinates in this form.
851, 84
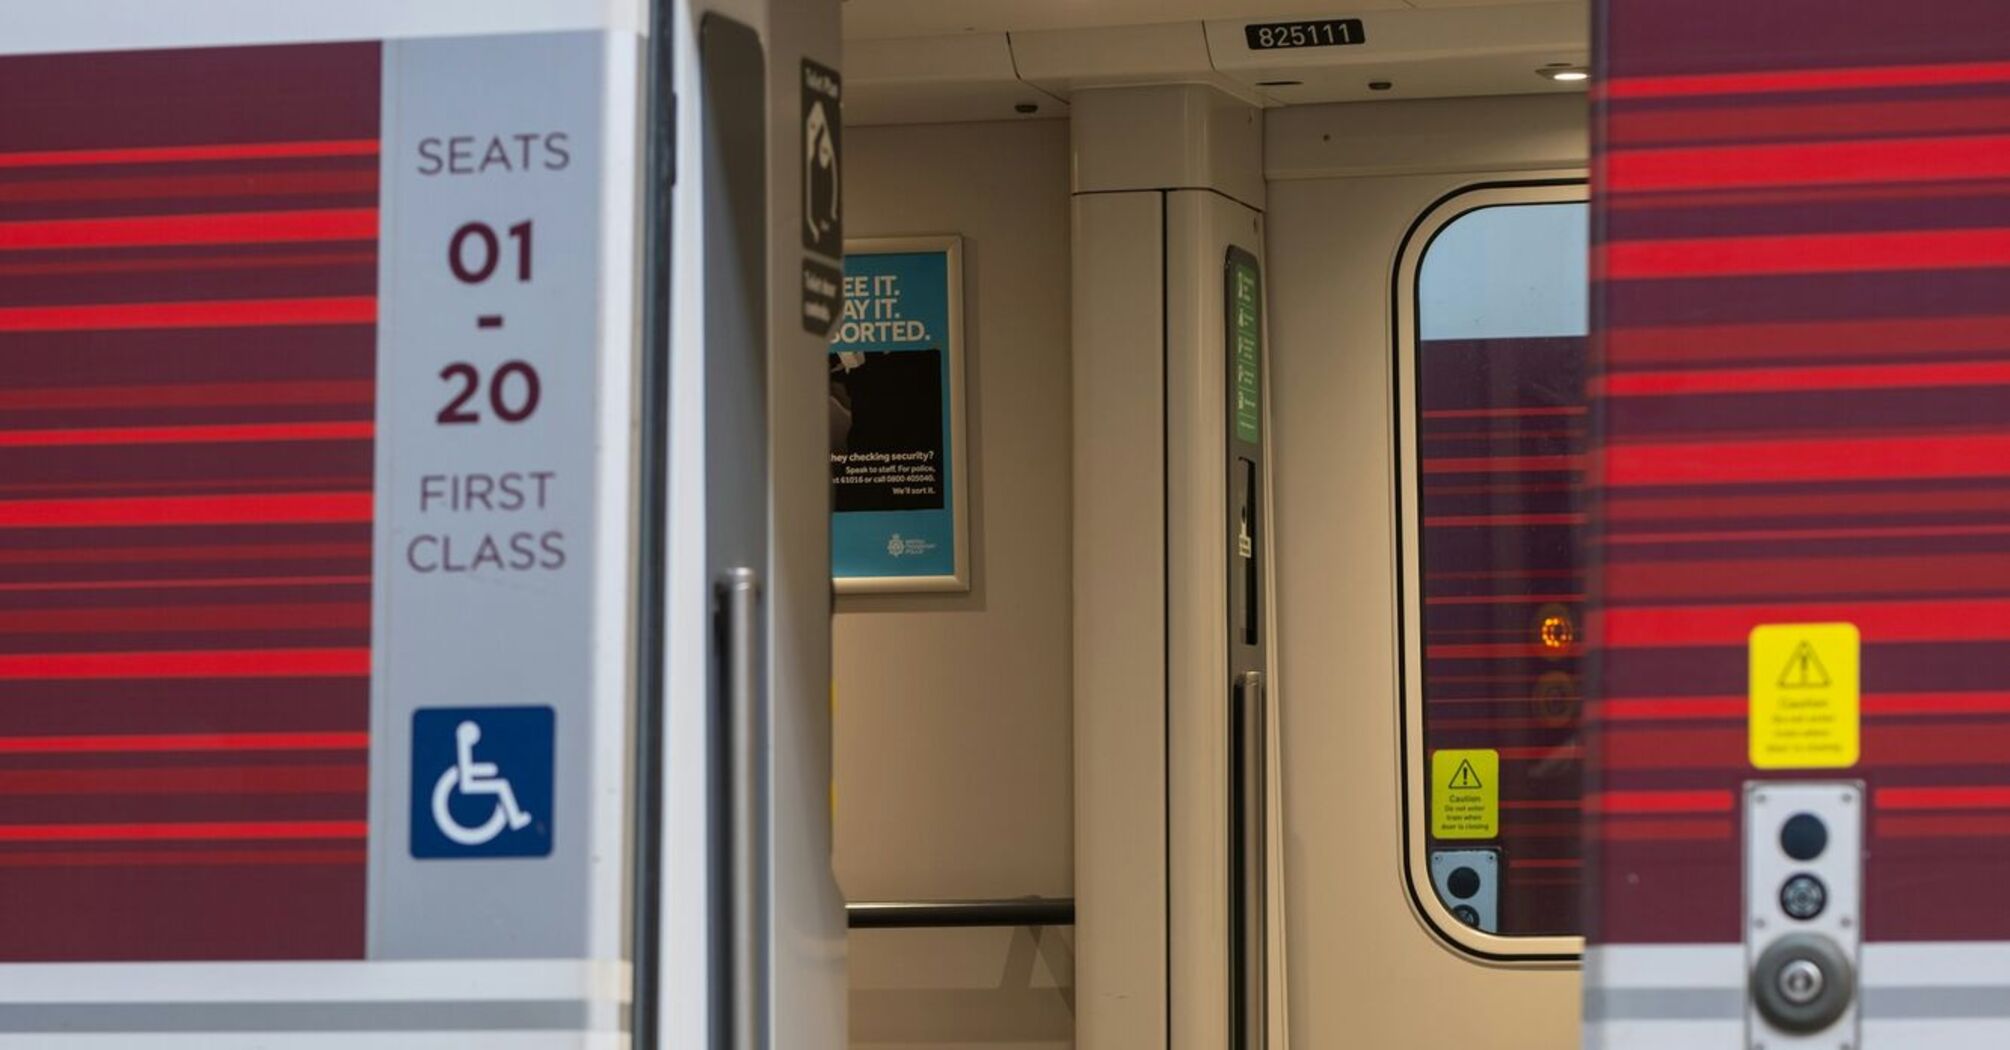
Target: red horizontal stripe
1775, 380
221, 831
1775, 535
1858, 193
188, 486
185, 263
1767, 254
175, 154
220, 313
216, 582
180, 858
217, 434
1612, 802
243, 227
1828, 505
1879, 622
1717, 122
201, 663
174, 187
1969, 797
206, 552
1540, 863
1666, 709
1873, 705
281, 616
1808, 163
155, 743
1832, 459
287, 508
189, 780
1891, 705
1784, 81
193, 395
1825, 340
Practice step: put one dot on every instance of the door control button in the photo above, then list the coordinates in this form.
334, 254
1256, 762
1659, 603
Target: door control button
1804, 837
1801, 982
1804, 897
1463, 883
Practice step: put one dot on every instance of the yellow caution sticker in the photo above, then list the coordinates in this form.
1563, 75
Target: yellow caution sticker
1804, 692
1466, 794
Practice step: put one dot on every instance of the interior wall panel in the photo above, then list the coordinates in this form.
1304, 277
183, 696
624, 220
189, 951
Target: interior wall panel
954, 711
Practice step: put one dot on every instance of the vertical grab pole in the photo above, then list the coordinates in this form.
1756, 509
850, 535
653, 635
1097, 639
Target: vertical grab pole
1250, 880
746, 718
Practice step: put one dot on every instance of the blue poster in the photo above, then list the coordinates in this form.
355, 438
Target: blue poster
894, 366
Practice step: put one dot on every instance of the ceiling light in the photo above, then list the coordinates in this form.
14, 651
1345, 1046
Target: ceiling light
1565, 74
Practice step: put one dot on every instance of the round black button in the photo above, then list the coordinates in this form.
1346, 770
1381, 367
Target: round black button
1467, 914
1463, 883
1804, 836
1804, 897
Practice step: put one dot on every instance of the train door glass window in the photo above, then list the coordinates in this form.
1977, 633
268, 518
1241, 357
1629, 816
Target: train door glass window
1492, 318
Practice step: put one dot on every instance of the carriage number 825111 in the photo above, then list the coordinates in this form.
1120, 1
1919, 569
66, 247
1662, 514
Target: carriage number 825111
1329, 32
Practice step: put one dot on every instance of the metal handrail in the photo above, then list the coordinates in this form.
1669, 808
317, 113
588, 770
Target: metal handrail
910, 915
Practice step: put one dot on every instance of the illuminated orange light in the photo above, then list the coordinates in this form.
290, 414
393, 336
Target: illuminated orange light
1556, 632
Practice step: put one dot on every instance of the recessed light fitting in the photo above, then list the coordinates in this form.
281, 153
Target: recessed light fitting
1564, 74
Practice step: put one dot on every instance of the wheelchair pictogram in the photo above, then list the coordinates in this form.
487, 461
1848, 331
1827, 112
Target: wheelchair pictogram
481, 782
475, 778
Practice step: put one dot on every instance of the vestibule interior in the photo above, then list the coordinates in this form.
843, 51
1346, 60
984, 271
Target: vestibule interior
1057, 730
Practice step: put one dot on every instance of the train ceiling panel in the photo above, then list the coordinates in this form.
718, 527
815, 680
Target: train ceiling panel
880, 19
1388, 49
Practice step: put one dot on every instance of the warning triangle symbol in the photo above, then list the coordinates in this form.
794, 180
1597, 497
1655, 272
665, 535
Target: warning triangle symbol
1804, 670
1464, 779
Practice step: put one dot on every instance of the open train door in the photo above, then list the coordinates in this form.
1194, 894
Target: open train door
401, 648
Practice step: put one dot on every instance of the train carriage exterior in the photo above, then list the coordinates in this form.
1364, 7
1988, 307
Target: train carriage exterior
1182, 523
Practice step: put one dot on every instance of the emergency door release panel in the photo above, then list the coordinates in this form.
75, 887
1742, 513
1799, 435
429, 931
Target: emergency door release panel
1804, 912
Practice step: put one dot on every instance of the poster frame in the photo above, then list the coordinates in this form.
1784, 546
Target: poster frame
950, 245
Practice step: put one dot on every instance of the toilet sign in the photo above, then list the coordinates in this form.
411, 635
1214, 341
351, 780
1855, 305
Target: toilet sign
1804, 685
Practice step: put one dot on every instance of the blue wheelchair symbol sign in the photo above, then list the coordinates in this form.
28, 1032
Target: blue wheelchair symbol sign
481, 782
